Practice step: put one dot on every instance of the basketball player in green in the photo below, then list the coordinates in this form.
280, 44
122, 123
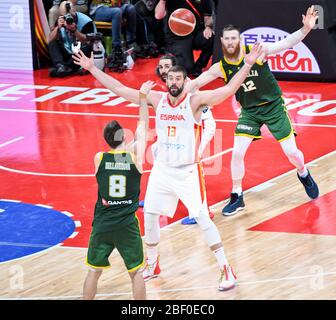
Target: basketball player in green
115, 224
261, 103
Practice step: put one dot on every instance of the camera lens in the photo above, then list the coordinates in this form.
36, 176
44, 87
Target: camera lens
69, 19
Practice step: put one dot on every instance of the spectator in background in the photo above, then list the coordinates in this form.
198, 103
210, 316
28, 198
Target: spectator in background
202, 38
150, 35
54, 13
64, 34
117, 12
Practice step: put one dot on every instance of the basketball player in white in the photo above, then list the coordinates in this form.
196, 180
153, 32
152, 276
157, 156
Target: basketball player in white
176, 173
208, 122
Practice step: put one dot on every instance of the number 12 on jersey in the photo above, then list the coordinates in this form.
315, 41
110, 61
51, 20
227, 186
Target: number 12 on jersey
249, 86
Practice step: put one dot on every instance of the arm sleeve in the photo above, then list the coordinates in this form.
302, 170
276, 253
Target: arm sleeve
289, 42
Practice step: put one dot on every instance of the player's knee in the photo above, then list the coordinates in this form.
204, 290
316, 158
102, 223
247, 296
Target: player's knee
237, 155
293, 153
134, 273
210, 230
204, 221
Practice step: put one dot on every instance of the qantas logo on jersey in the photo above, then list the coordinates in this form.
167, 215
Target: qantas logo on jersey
115, 203
172, 117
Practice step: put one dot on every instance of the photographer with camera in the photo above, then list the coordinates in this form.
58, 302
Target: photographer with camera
70, 28
53, 13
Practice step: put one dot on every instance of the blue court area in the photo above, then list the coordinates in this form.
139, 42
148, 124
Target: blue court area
26, 229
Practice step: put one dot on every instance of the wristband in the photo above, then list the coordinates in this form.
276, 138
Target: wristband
142, 95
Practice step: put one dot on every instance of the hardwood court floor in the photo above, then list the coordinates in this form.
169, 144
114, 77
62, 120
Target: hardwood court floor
269, 264
281, 245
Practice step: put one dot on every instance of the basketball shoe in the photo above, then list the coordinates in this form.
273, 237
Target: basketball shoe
227, 279
151, 270
236, 203
310, 186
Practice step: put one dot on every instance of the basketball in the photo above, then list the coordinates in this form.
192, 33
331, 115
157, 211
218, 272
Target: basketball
182, 22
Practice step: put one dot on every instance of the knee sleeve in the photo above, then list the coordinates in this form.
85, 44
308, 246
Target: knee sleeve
204, 221
209, 229
152, 228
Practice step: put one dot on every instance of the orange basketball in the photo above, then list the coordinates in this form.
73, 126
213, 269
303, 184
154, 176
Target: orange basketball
182, 22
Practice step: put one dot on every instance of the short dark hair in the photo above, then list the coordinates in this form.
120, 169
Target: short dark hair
169, 57
113, 134
178, 68
230, 27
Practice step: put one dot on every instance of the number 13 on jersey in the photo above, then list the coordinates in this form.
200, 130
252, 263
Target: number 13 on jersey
171, 131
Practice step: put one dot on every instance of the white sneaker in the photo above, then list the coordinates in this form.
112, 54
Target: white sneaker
227, 279
151, 270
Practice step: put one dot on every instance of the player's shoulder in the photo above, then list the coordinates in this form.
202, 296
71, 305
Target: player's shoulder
98, 156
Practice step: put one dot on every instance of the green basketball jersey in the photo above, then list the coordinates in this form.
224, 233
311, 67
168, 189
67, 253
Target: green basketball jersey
118, 191
259, 87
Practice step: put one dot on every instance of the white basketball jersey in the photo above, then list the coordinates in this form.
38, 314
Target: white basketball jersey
178, 133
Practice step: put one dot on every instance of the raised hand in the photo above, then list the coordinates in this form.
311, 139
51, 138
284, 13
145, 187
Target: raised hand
147, 86
309, 20
255, 52
60, 22
82, 60
207, 33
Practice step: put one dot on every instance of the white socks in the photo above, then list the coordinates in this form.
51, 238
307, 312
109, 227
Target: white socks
152, 254
303, 173
238, 190
221, 258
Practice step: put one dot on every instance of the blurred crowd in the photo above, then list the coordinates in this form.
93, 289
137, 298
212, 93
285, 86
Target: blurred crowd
127, 30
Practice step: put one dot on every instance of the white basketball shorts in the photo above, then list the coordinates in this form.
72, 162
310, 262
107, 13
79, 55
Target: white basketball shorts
166, 185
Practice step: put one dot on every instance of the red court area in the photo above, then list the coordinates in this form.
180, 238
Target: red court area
317, 217
52, 128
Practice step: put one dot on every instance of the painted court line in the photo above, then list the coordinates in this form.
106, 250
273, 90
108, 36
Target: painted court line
136, 116
11, 141
200, 288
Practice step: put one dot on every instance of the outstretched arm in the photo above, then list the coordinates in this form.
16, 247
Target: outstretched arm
138, 146
213, 97
110, 83
206, 77
293, 39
